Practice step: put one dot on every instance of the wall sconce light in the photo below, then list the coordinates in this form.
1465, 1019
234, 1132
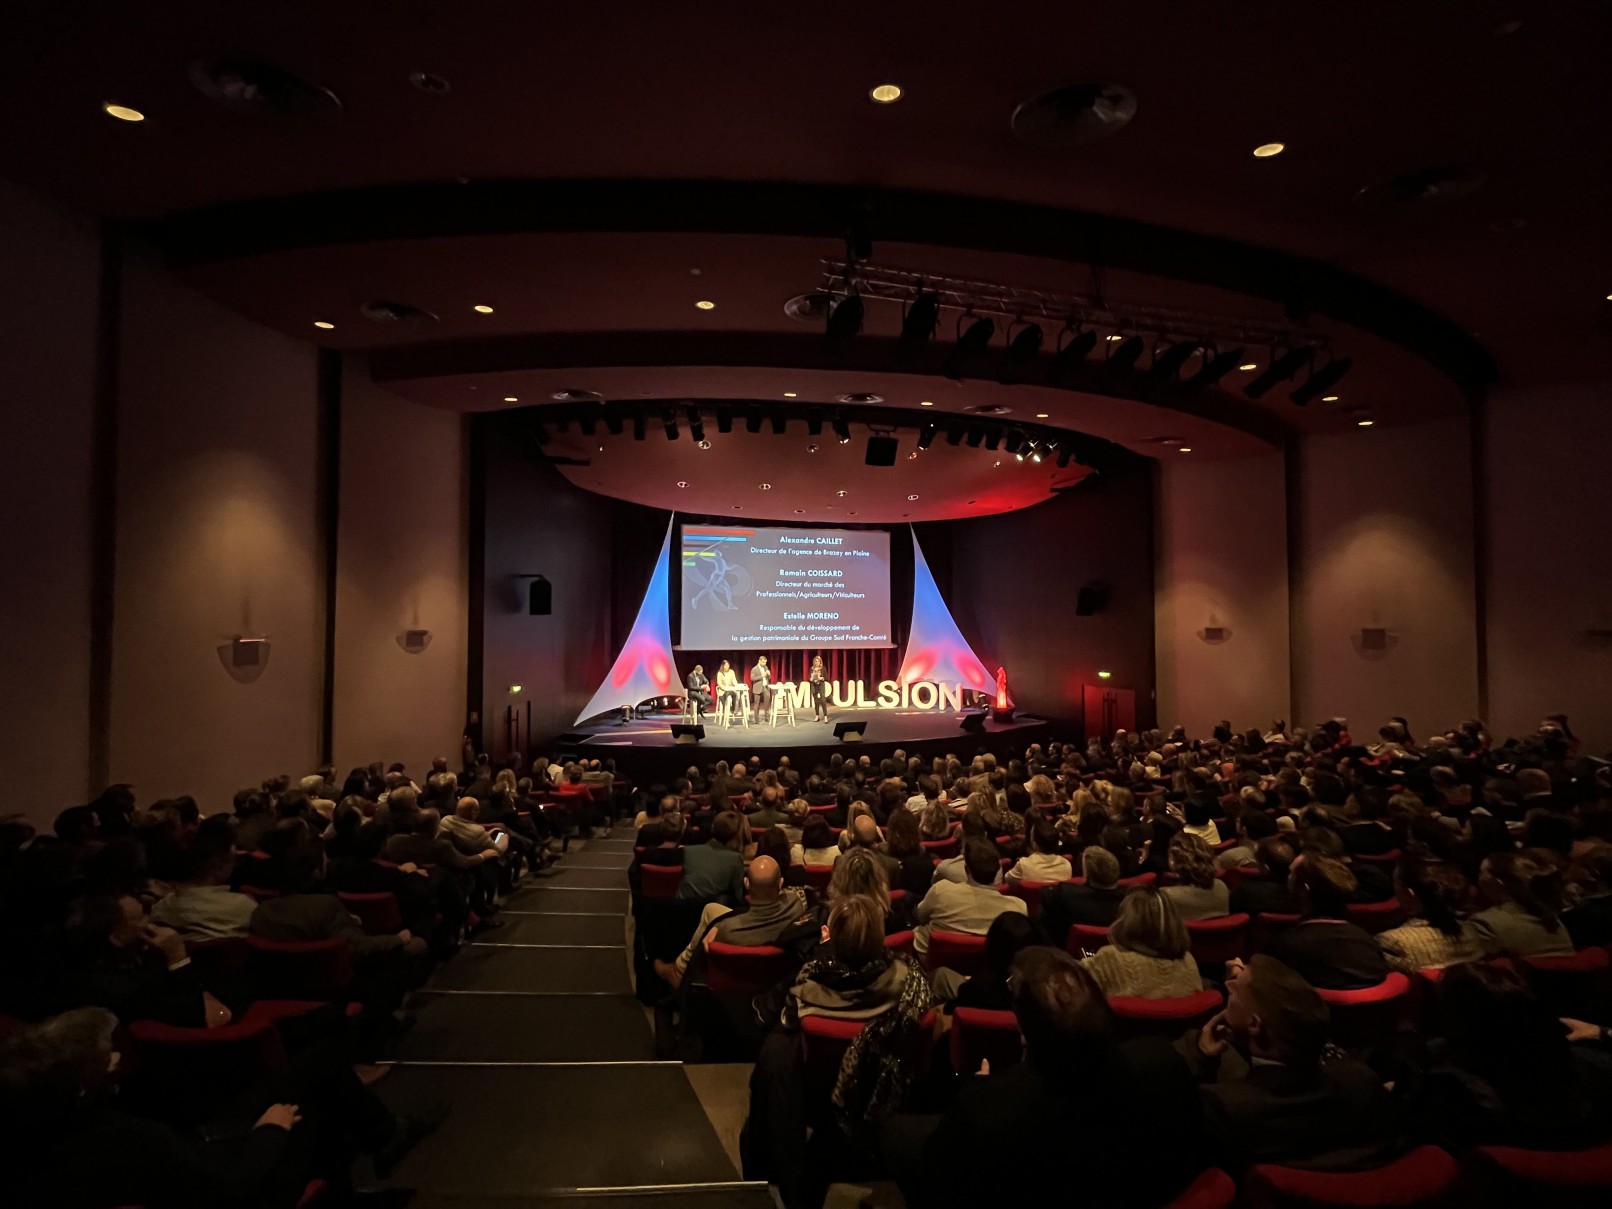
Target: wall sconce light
244, 657
1105, 675
1214, 635
414, 641
1374, 642
514, 689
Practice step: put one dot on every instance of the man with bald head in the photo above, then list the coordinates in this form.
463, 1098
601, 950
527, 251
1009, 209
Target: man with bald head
865, 834
773, 909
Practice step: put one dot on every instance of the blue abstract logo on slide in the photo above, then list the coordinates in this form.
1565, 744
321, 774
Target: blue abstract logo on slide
713, 581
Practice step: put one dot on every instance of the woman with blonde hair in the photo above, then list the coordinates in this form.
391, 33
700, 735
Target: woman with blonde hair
935, 823
851, 815
1148, 952
1200, 894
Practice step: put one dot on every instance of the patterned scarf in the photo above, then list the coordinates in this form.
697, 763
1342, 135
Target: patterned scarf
873, 1077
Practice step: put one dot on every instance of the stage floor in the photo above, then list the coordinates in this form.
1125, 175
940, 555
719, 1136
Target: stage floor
885, 727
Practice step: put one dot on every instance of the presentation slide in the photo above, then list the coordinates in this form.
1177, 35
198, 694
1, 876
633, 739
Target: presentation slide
777, 588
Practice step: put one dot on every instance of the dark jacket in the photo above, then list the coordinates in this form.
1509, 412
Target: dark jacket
1262, 895
316, 917
1330, 954
712, 873
428, 850
1065, 904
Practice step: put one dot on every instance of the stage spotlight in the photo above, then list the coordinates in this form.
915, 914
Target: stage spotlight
919, 322
1214, 368
614, 423
696, 426
954, 435
842, 430
993, 438
779, 422
1014, 442
1073, 348
724, 419
970, 345
1281, 369
845, 320
1035, 454
926, 437
589, 425
1321, 381
752, 422
814, 424
1023, 348
669, 420
1172, 360
976, 434
1126, 353
639, 424
1063, 459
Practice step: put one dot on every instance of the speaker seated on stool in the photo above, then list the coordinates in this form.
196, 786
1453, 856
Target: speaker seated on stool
850, 732
685, 734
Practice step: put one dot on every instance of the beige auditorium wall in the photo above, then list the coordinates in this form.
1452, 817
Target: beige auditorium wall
400, 565
1386, 529
216, 536
1222, 562
1550, 559
50, 265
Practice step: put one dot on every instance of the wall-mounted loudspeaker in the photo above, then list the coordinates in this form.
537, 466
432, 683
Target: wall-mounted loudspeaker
540, 597
850, 732
683, 734
882, 451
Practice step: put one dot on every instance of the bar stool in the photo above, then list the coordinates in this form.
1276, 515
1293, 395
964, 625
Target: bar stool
783, 702
734, 700
691, 709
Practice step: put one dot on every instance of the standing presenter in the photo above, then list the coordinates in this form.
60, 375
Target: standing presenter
761, 687
819, 682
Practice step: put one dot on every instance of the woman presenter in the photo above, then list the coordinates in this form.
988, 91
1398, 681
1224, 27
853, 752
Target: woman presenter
819, 683
727, 685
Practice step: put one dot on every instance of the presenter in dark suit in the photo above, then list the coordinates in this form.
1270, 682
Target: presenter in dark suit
699, 688
761, 687
819, 682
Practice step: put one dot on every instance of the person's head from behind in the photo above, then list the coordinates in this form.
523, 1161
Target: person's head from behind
1548, 830
1274, 855
1192, 860
1497, 1028
901, 834
856, 930
864, 831
858, 874
1528, 879
1149, 924
1044, 839
208, 862
980, 862
1323, 885
1273, 1013
797, 812
1255, 825
672, 823
76, 826
815, 834
725, 829
763, 880
1062, 1013
774, 843
293, 805
1008, 934
427, 821
49, 1070
1432, 890
1100, 867
468, 809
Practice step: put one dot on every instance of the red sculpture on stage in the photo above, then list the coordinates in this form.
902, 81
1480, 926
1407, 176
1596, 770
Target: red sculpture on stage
1003, 701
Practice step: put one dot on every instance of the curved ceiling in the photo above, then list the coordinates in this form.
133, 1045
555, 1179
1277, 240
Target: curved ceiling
590, 180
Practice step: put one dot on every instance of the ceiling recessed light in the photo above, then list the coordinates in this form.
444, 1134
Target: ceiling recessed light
704, 444
1329, 398
766, 486
481, 308
1248, 367
511, 399
1609, 297
601, 449
1365, 423
926, 403
800, 512
842, 493
913, 456
1185, 449
996, 463
812, 448
912, 497
1041, 415
122, 113
323, 324
705, 304
885, 94
736, 507
682, 484
1265, 150
789, 394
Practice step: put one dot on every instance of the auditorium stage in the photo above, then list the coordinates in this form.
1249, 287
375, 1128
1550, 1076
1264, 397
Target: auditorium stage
645, 748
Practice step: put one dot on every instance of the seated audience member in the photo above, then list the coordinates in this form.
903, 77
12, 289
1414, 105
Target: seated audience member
770, 809
651, 813
498, 809
1504, 1073
465, 833
1369, 834
1095, 903
1007, 936
1372, 885
1268, 1094
1200, 894
913, 868
927, 793
817, 844
863, 833
774, 843
1324, 948
426, 844
1200, 822
1524, 891
1252, 826
854, 979
772, 910
1148, 954
1434, 896
1273, 857
935, 820
1588, 919
1043, 864
113, 957
953, 868
307, 910
795, 816
1143, 1145
203, 907
65, 1141
859, 810
969, 906
714, 871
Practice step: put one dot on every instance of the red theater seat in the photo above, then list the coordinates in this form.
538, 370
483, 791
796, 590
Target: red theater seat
1239, 874
300, 969
1163, 1017
958, 951
1570, 986
1141, 879
818, 877
1376, 917
1425, 1176
1085, 937
745, 969
942, 849
901, 942
1218, 940
378, 912
1542, 1177
660, 881
824, 1039
1267, 924
1383, 860
1030, 892
978, 1036
1367, 1015
1214, 1189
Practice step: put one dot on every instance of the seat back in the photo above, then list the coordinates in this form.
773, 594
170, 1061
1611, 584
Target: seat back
902, 942
942, 849
824, 1040
960, 951
300, 969
745, 969
1542, 1177
1571, 986
222, 958
1267, 924
1163, 1017
1085, 937
1214, 1189
659, 881
1376, 917
188, 1075
818, 876
1371, 1014
1383, 860
1030, 892
378, 912
1141, 879
978, 1035
1215, 941
1238, 874
1425, 1176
